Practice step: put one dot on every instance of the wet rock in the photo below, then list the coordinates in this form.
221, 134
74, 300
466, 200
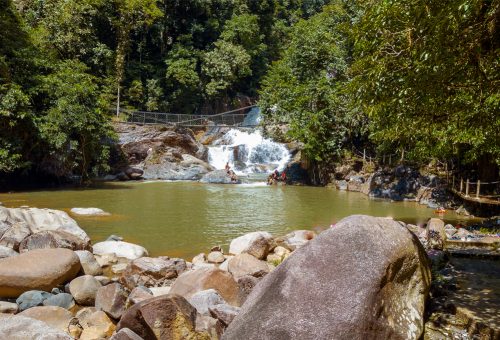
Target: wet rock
257, 244
120, 249
191, 282
17, 327
205, 299
216, 257
8, 307
151, 272
125, 334
89, 212
163, 317
219, 177
41, 269
224, 313
375, 257
53, 316
89, 263
134, 173
63, 300
139, 294
245, 264
7, 252
84, 289
112, 300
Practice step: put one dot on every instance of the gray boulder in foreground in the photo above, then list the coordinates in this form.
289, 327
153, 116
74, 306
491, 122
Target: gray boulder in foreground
365, 278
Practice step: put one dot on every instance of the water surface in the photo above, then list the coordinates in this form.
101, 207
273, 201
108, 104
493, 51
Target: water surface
186, 218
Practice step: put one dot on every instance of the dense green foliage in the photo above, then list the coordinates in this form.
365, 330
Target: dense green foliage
65, 64
420, 76
415, 75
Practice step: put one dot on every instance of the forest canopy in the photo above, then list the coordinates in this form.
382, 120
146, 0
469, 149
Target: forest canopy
418, 76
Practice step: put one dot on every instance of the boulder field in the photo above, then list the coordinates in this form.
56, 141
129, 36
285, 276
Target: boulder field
364, 278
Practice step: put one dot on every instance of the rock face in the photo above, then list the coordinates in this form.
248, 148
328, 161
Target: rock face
41, 269
17, 327
162, 152
151, 272
191, 282
370, 278
163, 317
257, 244
121, 249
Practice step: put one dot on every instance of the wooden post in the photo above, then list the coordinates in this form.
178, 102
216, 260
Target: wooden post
402, 155
383, 159
478, 186
467, 188
390, 159
364, 155
461, 184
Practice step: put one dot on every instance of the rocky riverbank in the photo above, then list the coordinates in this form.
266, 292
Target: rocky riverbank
365, 276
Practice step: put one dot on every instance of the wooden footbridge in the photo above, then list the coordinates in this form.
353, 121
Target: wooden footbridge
234, 118
477, 191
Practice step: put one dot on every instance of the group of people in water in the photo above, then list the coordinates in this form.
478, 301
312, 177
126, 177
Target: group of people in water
273, 178
276, 177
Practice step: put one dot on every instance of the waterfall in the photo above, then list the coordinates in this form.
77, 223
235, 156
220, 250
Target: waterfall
248, 152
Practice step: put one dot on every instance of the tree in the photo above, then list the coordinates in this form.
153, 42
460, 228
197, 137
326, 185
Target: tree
305, 88
428, 75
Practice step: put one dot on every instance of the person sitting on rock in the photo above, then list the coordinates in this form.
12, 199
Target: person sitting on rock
233, 176
276, 175
228, 168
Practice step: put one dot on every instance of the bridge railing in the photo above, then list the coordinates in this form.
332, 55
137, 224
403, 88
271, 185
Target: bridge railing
229, 118
476, 190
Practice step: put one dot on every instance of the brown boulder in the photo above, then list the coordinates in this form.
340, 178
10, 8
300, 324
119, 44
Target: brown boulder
84, 289
200, 279
112, 300
40, 269
163, 317
53, 239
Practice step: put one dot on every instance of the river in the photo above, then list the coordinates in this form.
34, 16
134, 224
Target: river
182, 219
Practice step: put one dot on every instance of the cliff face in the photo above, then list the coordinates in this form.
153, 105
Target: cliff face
154, 152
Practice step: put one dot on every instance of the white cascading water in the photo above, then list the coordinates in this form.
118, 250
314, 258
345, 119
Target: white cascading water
248, 153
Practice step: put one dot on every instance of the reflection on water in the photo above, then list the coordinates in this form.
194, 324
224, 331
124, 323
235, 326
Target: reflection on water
185, 218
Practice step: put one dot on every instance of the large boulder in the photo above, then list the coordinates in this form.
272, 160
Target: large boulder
18, 327
257, 243
39, 220
163, 317
191, 282
245, 264
121, 249
366, 277
41, 269
174, 167
13, 237
152, 272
